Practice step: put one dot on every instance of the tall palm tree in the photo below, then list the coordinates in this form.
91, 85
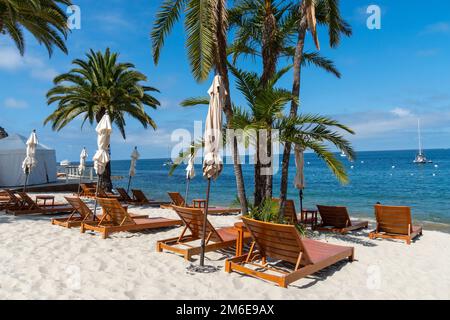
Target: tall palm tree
265, 111
206, 25
267, 29
44, 19
98, 85
310, 13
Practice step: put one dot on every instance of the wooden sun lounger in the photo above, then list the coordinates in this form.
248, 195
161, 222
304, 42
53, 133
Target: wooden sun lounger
31, 207
179, 201
395, 223
88, 190
124, 196
290, 214
82, 213
337, 219
283, 243
140, 198
216, 239
117, 219
13, 203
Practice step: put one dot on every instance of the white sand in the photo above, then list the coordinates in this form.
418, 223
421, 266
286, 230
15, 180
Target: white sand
41, 261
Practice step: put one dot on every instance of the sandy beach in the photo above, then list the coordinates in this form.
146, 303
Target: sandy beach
42, 261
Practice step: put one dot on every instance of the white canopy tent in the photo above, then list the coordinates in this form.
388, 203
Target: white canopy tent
13, 151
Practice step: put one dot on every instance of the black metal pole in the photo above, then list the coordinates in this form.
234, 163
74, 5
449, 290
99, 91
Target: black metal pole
205, 221
301, 200
26, 180
187, 192
129, 183
79, 183
96, 195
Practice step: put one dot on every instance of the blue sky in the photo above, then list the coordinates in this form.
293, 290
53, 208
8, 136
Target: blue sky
390, 77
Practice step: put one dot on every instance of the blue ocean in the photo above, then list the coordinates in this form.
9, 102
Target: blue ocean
389, 177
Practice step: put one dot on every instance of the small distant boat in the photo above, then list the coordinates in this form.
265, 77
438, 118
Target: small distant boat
168, 163
64, 163
343, 155
420, 157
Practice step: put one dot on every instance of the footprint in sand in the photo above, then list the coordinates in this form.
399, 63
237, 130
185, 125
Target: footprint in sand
237, 284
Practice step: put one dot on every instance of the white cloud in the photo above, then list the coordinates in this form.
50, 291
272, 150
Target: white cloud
13, 103
11, 60
401, 112
439, 27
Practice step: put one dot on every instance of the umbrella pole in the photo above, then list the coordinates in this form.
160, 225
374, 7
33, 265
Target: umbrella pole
205, 221
187, 192
301, 201
26, 181
79, 183
129, 183
96, 195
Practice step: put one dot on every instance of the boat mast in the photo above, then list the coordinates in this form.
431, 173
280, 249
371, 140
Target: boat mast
420, 138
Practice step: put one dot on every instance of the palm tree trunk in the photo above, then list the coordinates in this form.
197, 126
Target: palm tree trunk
222, 69
269, 58
303, 25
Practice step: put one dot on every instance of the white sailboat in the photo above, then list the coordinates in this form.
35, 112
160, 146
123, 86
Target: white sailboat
420, 157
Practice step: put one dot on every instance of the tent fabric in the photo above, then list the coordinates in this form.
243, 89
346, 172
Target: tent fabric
13, 151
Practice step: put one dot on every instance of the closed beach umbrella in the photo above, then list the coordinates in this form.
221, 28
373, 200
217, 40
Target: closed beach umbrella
101, 157
299, 181
30, 160
134, 158
212, 162
83, 156
190, 174
82, 166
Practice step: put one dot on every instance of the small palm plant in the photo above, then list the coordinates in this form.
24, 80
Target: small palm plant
98, 85
265, 110
44, 19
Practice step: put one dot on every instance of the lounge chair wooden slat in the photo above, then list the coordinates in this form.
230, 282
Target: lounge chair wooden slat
118, 219
395, 222
337, 219
307, 256
193, 221
289, 210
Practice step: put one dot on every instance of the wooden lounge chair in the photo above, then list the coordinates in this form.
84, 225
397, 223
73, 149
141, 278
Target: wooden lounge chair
216, 239
108, 195
82, 213
13, 202
395, 223
179, 201
117, 219
336, 219
124, 196
31, 207
140, 198
283, 243
290, 214
88, 190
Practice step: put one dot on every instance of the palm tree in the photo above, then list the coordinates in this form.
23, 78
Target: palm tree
206, 25
267, 29
44, 19
265, 111
98, 85
310, 13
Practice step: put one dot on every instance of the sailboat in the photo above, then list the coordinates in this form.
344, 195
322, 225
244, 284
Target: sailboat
169, 162
420, 157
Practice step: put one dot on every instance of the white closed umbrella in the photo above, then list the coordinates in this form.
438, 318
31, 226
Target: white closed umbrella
212, 162
101, 157
190, 174
134, 158
30, 160
82, 166
299, 180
